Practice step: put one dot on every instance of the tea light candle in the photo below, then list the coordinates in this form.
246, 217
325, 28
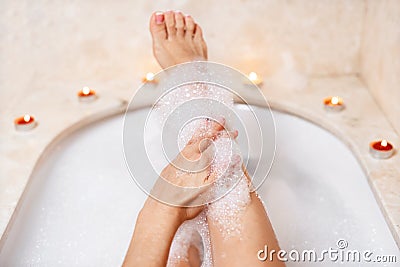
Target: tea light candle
149, 78
381, 149
25, 123
333, 103
86, 95
254, 78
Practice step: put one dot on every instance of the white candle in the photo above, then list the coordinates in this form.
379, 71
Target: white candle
381, 149
254, 78
87, 95
333, 103
149, 78
25, 123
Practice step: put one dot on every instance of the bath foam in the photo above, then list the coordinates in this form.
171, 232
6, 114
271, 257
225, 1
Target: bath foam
226, 211
231, 188
191, 233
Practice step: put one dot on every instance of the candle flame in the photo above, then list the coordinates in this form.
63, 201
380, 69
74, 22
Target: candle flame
27, 118
253, 76
384, 143
335, 100
149, 76
85, 90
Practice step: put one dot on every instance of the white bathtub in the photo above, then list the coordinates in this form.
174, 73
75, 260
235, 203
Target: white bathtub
80, 206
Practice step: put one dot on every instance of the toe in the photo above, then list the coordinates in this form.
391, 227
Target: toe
199, 41
198, 34
190, 25
170, 24
205, 51
157, 26
180, 24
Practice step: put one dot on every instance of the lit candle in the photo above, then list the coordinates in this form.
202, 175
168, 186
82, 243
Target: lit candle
86, 94
25, 123
149, 78
254, 78
381, 149
333, 103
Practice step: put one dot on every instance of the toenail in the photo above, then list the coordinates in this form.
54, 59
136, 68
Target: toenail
159, 17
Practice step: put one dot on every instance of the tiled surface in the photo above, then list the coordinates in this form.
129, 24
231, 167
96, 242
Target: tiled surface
380, 56
69, 42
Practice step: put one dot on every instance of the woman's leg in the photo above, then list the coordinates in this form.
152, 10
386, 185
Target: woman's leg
255, 232
178, 39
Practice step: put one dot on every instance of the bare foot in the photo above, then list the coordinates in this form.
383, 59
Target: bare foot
176, 39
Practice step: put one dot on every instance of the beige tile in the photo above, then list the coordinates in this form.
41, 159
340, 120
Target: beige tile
380, 56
